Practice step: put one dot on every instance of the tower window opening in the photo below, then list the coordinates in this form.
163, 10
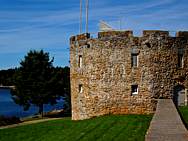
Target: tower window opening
180, 60
134, 89
80, 61
80, 88
134, 60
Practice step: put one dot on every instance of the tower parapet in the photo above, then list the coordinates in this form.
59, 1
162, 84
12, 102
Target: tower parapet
128, 34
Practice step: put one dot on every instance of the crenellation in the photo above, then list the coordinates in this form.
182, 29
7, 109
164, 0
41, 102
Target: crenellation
113, 34
84, 36
155, 33
182, 34
123, 74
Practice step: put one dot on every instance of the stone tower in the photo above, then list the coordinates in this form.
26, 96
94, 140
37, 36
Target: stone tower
117, 73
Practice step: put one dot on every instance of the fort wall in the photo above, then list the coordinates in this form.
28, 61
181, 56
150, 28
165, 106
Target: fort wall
118, 73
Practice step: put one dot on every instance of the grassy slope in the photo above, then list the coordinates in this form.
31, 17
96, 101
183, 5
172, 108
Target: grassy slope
184, 114
105, 128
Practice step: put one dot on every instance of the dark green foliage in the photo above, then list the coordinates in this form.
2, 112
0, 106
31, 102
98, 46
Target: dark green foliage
38, 82
8, 120
105, 128
61, 76
6, 77
66, 83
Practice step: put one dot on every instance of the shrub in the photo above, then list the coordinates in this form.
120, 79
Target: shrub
9, 120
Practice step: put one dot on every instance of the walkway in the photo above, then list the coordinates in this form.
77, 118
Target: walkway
166, 124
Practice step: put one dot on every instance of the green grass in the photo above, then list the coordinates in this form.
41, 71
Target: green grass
184, 114
105, 128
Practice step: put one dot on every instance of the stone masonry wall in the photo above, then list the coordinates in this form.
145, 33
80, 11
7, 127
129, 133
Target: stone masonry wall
106, 74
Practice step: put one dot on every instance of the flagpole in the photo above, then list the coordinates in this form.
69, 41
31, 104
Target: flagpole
87, 8
80, 16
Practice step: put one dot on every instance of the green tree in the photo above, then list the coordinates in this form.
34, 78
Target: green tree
36, 81
6, 77
66, 84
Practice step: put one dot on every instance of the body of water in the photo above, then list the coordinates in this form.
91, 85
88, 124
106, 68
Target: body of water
9, 108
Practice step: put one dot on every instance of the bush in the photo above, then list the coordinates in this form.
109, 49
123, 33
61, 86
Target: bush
9, 120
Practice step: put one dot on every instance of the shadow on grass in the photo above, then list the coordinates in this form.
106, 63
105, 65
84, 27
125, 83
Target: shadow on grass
57, 116
9, 120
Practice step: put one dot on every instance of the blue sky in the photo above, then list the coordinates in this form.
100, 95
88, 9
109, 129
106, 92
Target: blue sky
48, 24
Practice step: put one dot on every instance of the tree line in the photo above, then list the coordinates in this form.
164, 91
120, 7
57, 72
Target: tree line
38, 82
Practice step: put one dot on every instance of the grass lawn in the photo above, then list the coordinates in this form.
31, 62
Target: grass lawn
105, 128
184, 114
